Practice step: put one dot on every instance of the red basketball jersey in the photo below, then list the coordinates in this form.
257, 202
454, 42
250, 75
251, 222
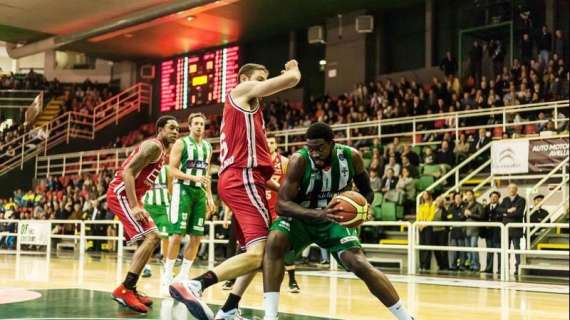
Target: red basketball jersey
145, 179
242, 139
279, 167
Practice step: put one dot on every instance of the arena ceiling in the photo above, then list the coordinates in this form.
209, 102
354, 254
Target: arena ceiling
209, 24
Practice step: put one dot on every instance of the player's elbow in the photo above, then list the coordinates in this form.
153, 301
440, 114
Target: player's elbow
281, 208
293, 78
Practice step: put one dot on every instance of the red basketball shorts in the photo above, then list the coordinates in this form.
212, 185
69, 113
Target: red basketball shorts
118, 204
243, 190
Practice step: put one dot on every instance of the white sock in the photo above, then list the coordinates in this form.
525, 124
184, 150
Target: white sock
147, 267
400, 312
271, 305
169, 267
186, 265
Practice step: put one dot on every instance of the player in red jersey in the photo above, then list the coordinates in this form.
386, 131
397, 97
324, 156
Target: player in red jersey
246, 169
280, 164
124, 198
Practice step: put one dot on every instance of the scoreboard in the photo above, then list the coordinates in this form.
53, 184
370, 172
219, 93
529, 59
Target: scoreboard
198, 79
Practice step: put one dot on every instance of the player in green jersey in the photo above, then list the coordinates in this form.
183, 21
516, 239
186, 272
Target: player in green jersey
191, 195
157, 203
308, 213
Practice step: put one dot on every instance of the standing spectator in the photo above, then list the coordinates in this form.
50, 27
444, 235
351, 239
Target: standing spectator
526, 49
498, 58
512, 209
559, 44
457, 234
476, 56
426, 212
444, 156
473, 212
448, 65
440, 235
544, 46
493, 234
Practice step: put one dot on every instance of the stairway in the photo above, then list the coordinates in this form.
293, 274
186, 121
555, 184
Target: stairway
50, 112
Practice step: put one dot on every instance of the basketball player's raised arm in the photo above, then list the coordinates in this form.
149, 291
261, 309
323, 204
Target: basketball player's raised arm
286, 205
256, 89
361, 178
149, 153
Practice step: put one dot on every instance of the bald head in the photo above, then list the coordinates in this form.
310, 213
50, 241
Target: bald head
513, 189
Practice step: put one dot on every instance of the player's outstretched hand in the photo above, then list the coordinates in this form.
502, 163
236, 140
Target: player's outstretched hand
140, 214
291, 64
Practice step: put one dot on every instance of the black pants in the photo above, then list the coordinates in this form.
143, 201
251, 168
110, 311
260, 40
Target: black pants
516, 241
425, 255
441, 238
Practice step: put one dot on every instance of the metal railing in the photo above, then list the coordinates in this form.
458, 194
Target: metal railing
76, 161
411, 249
74, 125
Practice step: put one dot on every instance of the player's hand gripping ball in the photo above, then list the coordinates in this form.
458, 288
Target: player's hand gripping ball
354, 209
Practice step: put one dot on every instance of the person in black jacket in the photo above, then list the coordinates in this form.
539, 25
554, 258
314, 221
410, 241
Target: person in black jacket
544, 44
389, 181
512, 209
448, 65
493, 235
539, 213
457, 234
526, 49
476, 57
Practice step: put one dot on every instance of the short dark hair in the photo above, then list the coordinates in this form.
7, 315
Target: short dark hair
538, 196
271, 136
470, 191
162, 121
248, 69
320, 130
495, 192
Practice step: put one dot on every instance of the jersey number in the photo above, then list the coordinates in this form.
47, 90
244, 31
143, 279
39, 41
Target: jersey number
223, 148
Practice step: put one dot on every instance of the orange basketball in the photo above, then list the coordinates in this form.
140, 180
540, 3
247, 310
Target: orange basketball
354, 209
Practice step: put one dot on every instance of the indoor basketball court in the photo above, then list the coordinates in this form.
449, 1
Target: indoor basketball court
151, 150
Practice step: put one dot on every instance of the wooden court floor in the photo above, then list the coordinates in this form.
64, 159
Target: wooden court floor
34, 287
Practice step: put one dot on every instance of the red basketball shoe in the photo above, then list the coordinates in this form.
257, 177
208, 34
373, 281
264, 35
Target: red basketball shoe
128, 298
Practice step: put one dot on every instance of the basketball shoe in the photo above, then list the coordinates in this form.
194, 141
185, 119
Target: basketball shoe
128, 298
189, 293
233, 314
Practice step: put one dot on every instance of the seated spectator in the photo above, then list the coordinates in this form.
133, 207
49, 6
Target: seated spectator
480, 141
392, 164
407, 186
461, 149
375, 181
389, 181
428, 156
539, 214
412, 156
444, 156
412, 170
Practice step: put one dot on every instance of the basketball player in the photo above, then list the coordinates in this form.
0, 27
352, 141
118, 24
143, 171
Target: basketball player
280, 167
135, 177
157, 203
246, 169
191, 195
308, 215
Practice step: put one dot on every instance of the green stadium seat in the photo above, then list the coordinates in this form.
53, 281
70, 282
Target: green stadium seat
366, 162
433, 170
424, 182
388, 211
377, 206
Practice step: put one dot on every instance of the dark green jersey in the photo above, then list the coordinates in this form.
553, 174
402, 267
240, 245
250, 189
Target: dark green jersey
319, 186
194, 159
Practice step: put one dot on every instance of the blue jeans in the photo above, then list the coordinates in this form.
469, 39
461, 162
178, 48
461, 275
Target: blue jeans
454, 255
473, 242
